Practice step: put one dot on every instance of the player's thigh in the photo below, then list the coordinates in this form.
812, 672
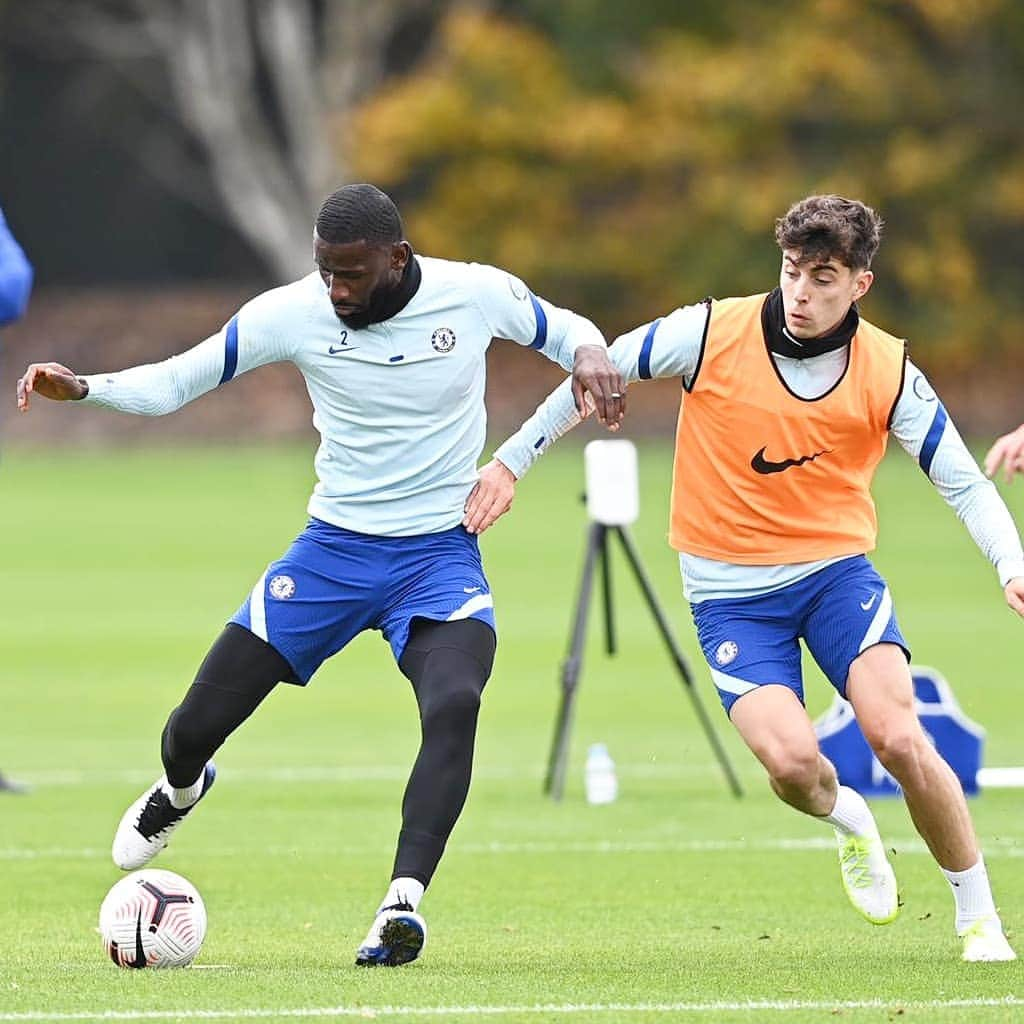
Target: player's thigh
852, 613
749, 643
775, 726
324, 590
448, 664
440, 578
881, 690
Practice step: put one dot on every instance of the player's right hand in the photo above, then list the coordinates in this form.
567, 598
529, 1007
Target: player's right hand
1007, 452
51, 380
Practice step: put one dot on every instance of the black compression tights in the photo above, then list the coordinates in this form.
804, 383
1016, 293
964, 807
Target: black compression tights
240, 670
448, 664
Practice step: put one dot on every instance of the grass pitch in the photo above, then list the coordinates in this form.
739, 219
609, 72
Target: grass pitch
677, 902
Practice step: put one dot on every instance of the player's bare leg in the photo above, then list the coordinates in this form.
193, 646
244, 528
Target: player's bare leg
775, 725
881, 691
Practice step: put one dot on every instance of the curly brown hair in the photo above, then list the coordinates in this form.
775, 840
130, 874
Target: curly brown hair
820, 227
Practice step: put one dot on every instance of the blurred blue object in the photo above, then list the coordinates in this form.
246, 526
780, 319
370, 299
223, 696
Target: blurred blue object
15, 276
954, 735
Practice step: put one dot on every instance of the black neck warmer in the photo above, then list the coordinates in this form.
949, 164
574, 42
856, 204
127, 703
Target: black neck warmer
386, 302
782, 343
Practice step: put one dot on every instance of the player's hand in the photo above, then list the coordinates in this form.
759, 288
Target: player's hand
1014, 591
1008, 452
51, 380
594, 373
491, 498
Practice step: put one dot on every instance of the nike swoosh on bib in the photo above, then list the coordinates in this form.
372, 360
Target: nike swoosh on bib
759, 464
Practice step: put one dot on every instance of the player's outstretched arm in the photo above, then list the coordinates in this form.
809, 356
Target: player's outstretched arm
1007, 452
491, 498
51, 380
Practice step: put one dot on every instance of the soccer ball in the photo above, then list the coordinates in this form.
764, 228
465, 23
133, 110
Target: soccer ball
153, 918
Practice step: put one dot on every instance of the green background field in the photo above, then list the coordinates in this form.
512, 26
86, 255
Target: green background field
676, 902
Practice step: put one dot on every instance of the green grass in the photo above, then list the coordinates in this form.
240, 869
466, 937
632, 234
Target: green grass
119, 569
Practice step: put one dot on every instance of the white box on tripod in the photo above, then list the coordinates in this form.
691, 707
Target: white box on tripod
613, 493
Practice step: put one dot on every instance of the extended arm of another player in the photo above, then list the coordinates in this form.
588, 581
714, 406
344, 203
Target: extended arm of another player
1008, 452
923, 428
668, 347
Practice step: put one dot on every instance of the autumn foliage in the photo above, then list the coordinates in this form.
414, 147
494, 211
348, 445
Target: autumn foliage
660, 185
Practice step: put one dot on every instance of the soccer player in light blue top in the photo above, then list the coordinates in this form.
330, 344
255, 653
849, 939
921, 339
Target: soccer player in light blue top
392, 347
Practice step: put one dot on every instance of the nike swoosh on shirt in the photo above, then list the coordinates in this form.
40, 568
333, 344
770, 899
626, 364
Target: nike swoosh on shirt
335, 349
759, 464
866, 605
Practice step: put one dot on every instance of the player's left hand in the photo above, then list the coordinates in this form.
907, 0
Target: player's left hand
594, 373
491, 498
1014, 591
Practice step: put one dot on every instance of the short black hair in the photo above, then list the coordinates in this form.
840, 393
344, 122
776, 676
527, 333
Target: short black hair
820, 227
355, 213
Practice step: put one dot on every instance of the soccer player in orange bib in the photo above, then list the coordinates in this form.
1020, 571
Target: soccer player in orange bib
788, 401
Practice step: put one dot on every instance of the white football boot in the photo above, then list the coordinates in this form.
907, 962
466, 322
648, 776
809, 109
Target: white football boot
984, 942
397, 936
147, 826
868, 877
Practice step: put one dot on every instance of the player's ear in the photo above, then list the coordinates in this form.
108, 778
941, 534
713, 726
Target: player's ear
401, 253
862, 284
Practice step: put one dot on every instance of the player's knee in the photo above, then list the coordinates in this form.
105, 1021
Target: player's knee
898, 746
188, 735
179, 740
793, 770
452, 702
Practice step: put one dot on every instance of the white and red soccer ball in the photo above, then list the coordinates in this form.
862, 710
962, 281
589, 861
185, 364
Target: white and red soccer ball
153, 918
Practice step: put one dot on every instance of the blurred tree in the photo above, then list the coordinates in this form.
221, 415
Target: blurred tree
657, 181
249, 82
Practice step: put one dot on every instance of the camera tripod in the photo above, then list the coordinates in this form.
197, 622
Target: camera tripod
597, 551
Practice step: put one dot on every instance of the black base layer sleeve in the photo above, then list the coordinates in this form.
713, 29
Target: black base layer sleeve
448, 664
238, 672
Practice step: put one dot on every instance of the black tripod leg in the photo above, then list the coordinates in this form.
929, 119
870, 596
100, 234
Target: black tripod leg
606, 589
554, 784
679, 658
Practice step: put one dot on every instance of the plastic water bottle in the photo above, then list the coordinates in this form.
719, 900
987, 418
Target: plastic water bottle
599, 777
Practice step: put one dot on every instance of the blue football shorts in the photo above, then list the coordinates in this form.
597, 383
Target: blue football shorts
839, 612
332, 584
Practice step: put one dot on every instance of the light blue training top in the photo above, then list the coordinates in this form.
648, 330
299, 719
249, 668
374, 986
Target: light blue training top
399, 405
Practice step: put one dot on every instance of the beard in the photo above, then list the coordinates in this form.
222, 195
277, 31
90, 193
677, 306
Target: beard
371, 312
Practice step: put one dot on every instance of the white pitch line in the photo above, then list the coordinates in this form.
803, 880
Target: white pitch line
370, 1012
907, 846
44, 777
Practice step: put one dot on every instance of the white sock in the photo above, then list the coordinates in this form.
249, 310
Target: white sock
973, 895
851, 814
403, 890
186, 796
